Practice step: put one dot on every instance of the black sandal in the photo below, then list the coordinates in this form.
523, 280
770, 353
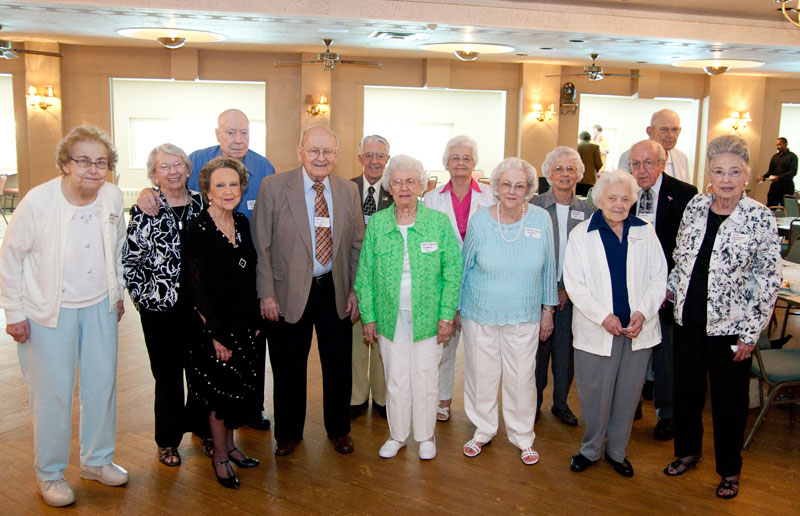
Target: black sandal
208, 447
727, 484
681, 466
167, 452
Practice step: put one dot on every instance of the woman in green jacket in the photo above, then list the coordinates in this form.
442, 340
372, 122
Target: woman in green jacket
408, 281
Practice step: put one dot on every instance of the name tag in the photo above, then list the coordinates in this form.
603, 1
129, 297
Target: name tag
366, 219
251, 204
113, 217
577, 215
429, 247
738, 239
322, 222
634, 240
533, 233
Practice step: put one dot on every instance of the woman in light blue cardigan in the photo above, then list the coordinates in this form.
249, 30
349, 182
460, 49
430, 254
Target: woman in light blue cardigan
507, 299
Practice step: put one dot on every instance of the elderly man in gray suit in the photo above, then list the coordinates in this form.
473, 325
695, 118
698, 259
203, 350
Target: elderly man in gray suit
307, 228
373, 154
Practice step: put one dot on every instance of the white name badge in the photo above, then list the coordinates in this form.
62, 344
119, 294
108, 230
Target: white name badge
533, 233
577, 215
113, 217
429, 247
634, 240
366, 219
322, 222
251, 204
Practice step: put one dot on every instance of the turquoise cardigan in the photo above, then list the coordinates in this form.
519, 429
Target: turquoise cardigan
435, 272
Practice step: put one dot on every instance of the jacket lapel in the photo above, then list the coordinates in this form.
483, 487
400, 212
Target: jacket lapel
339, 211
297, 206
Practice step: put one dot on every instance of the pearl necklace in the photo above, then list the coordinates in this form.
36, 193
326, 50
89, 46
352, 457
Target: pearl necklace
500, 229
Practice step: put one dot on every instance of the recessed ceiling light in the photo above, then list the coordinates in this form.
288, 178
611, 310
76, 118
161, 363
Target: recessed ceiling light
641, 62
175, 35
545, 48
577, 41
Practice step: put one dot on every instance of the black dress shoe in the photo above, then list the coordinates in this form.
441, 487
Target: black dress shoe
231, 481
566, 416
647, 390
579, 463
343, 444
380, 409
624, 468
638, 414
283, 448
260, 423
245, 461
664, 430
357, 410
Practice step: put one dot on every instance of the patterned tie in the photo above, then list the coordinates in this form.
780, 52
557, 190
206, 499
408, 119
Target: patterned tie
323, 247
646, 204
369, 203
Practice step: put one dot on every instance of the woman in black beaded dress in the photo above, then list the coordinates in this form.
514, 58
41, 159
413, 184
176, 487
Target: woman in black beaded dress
221, 261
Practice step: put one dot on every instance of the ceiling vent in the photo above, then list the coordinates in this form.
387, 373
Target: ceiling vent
404, 36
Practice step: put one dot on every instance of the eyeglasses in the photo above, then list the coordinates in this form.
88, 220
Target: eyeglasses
649, 164
99, 163
519, 187
398, 183
314, 153
379, 155
164, 167
558, 169
455, 158
733, 174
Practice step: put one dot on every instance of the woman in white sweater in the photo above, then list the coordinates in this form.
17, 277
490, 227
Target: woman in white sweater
61, 288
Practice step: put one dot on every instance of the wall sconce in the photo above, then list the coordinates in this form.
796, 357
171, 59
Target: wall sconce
543, 116
40, 101
740, 120
317, 109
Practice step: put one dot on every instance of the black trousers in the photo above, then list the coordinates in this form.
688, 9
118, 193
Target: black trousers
777, 190
165, 335
289, 345
697, 354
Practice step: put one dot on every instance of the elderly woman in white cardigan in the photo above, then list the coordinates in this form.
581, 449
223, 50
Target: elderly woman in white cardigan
615, 321
459, 199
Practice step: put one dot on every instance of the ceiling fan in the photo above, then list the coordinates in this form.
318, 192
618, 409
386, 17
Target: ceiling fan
6, 52
594, 72
329, 59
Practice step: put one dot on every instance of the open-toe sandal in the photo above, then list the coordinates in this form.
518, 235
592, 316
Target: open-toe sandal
472, 448
681, 466
529, 456
727, 484
169, 456
443, 414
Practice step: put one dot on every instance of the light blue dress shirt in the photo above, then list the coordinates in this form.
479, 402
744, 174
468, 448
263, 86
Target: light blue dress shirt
311, 195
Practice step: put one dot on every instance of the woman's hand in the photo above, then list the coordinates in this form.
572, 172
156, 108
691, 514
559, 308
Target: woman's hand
562, 299
20, 331
223, 353
743, 352
444, 331
546, 325
457, 321
612, 325
370, 332
635, 326
120, 309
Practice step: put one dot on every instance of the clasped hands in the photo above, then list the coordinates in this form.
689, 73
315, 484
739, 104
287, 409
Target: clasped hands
613, 325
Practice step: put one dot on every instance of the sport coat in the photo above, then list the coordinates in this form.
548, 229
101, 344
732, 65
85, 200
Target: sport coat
384, 199
282, 237
592, 161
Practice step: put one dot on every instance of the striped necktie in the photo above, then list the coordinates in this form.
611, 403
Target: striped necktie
322, 233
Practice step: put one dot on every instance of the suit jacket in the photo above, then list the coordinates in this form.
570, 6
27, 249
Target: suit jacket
282, 237
592, 160
384, 199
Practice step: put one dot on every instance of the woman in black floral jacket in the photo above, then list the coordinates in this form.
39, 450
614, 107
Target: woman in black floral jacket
151, 256
725, 282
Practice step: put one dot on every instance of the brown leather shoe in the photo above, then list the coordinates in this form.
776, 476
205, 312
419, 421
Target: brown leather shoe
343, 444
283, 448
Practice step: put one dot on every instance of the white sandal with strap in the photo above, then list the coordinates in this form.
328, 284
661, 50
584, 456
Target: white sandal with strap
472, 448
529, 456
443, 414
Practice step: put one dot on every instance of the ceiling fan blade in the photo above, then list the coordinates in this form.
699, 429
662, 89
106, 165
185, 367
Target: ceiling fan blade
296, 63
7, 54
362, 63
792, 89
37, 52
622, 75
568, 75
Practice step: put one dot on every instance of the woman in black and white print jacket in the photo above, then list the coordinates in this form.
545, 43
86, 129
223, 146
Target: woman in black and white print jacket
151, 257
725, 282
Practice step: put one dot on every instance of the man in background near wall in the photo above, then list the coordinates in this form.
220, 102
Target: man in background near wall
592, 161
665, 127
373, 154
782, 169
602, 141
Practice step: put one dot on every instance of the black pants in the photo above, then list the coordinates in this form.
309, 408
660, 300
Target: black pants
289, 345
777, 190
695, 355
164, 335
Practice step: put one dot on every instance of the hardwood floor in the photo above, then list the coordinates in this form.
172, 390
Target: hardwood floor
317, 480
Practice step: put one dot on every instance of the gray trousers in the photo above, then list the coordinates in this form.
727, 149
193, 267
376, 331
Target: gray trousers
664, 368
559, 347
609, 390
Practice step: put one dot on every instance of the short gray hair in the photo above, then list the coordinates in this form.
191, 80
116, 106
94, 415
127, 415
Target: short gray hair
532, 179
374, 138
729, 143
663, 112
457, 141
307, 129
560, 153
613, 177
403, 162
166, 148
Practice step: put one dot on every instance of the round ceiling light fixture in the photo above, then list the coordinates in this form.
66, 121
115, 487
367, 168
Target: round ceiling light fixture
468, 51
171, 38
718, 66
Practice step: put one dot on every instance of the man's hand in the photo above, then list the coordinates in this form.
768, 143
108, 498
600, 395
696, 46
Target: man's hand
457, 321
270, 309
148, 202
370, 332
20, 331
352, 306
562, 299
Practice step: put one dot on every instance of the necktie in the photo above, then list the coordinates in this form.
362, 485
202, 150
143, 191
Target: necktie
369, 203
322, 234
646, 204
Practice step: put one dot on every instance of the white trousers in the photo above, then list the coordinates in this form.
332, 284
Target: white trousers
447, 368
492, 352
412, 381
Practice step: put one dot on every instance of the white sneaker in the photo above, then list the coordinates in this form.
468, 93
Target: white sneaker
427, 449
108, 474
56, 492
390, 448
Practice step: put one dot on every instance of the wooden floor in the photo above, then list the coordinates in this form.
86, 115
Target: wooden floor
317, 480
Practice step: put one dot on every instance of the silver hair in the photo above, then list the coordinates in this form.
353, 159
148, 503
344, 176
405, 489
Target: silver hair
532, 179
166, 148
609, 178
403, 162
460, 140
307, 129
729, 143
661, 112
375, 138
560, 153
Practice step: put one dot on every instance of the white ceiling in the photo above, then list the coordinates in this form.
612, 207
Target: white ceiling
627, 34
